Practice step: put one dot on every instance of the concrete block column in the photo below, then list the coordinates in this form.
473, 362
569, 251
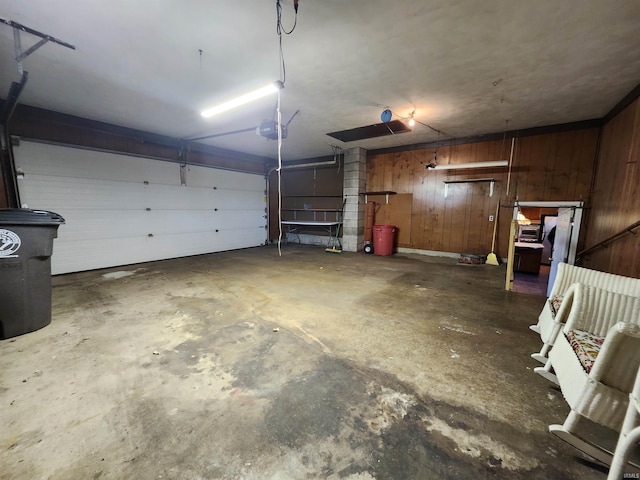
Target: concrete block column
353, 187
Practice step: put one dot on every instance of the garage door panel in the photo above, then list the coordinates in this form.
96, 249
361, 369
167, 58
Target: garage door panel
238, 218
78, 255
45, 159
224, 179
99, 194
58, 192
121, 210
239, 200
231, 239
180, 198
92, 224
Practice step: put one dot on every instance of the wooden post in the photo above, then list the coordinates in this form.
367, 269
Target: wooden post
512, 235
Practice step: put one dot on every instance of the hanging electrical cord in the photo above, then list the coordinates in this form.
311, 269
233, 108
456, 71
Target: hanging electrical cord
423, 124
280, 30
427, 165
279, 170
283, 78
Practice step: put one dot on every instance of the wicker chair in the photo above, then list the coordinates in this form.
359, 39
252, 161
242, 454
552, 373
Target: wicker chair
595, 361
629, 436
591, 308
552, 319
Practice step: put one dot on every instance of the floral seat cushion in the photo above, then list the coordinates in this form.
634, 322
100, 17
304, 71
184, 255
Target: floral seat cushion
554, 303
586, 345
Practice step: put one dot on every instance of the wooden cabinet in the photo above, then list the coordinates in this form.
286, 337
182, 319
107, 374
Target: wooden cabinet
527, 258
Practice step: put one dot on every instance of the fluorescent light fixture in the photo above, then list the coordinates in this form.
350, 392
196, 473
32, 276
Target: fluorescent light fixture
456, 166
241, 100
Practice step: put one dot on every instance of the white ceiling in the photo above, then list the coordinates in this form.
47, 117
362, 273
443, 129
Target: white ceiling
465, 66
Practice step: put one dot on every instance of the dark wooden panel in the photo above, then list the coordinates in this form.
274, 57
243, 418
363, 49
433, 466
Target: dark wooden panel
616, 195
371, 131
306, 192
396, 212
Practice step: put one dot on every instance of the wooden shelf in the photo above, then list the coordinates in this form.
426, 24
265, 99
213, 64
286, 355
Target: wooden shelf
491, 181
386, 193
383, 192
471, 180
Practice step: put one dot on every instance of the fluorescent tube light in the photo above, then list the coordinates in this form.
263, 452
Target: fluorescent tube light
455, 166
241, 100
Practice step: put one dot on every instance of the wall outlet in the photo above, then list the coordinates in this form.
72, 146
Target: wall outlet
491, 218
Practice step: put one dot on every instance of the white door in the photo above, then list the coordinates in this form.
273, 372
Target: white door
121, 209
561, 243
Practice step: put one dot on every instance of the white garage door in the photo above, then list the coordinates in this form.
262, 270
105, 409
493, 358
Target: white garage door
121, 209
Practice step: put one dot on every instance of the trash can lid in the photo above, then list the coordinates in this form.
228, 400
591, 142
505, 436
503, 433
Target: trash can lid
26, 216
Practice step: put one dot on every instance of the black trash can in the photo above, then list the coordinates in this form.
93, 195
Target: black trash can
26, 244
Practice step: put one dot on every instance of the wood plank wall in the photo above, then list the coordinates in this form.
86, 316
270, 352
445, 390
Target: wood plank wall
554, 166
616, 195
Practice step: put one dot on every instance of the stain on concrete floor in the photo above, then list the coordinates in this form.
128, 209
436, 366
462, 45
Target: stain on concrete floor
245, 365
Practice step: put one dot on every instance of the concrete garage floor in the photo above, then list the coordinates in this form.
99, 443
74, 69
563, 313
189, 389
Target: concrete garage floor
246, 365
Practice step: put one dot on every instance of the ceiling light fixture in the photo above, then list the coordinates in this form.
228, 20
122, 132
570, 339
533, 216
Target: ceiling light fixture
412, 121
243, 99
456, 166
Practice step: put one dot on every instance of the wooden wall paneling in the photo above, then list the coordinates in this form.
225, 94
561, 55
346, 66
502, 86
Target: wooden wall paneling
581, 172
624, 254
518, 170
422, 231
436, 221
418, 210
553, 174
534, 185
455, 203
587, 148
471, 233
615, 198
375, 174
406, 173
460, 221
571, 158
396, 212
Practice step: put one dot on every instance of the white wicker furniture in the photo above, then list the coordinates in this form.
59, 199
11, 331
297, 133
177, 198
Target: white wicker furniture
589, 308
595, 360
629, 436
550, 323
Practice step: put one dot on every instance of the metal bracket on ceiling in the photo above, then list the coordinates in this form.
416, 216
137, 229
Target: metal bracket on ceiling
17, 44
